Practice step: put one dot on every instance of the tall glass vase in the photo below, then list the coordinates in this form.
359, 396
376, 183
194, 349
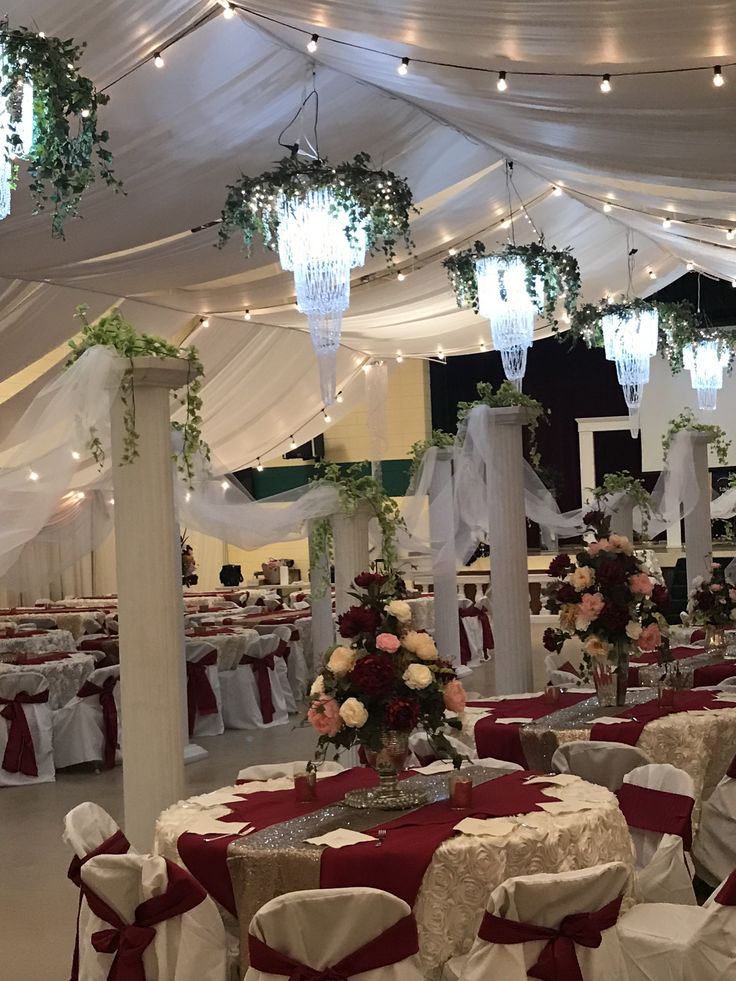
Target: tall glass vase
611, 676
388, 762
622, 673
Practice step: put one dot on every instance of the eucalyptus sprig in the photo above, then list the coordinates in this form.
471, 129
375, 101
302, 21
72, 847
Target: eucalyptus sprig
687, 419
507, 396
68, 152
438, 438
114, 331
377, 200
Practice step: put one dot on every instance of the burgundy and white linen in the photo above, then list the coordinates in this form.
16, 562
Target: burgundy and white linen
203, 690
714, 849
64, 672
26, 754
33, 642
87, 729
252, 693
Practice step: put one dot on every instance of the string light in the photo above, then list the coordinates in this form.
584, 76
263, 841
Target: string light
666, 223
246, 315
293, 443
401, 277
259, 465
399, 357
312, 43
556, 191
229, 12
690, 266
652, 274
76, 455
188, 496
452, 251
224, 485
718, 79
204, 322
111, 500
506, 223
41, 34
81, 495
84, 114
733, 283
502, 84
607, 208
339, 398
403, 68
440, 354
328, 418
158, 60
606, 83
730, 234
32, 475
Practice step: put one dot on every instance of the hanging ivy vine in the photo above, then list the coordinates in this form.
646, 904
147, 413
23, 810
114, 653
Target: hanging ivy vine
720, 443
114, 331
68, 151
506, 396
438, 438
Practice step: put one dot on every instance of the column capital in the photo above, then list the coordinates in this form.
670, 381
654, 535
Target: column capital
511, 415
155, 372
695, 435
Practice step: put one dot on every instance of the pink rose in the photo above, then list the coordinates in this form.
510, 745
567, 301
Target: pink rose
716, 587
455, 697
591, 605
641, 583
602, 545
389, 643
324, 716
732, 594
650, 638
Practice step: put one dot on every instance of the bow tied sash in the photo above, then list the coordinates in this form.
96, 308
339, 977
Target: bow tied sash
20, 753
558, 961
390, 947
261, 667
105, 693
477, 614
128, 941
201, 698
283, 650
657, 810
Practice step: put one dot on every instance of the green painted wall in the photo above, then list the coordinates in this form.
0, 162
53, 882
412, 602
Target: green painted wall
276, 480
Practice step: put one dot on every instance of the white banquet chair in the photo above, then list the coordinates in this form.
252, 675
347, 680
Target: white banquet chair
597, 761
556, 675
87, 728
296, 667
253, 690
662, 870
277, 643
291, 932
26, 741
157, 913
472, 628
204, 699
425, 753
554, 905
714, 848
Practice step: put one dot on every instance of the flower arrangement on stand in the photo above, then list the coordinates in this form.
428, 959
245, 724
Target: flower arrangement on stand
712, 604
606, 599
384, 682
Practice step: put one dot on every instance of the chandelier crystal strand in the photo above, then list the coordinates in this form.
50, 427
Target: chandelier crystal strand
504, 299
314, 242
705, 362
632, 340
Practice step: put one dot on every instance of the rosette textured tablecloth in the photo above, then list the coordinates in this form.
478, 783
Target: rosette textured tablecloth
231, 644
35, 642
65, 674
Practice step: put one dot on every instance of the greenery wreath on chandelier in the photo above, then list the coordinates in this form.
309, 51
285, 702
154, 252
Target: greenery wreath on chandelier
67, 152
378, 200
557, 269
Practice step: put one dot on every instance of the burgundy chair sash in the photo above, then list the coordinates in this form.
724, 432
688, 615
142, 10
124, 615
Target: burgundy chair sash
487, 633
116, 844
657, 810
295, 636
261, 667
558, 961
731, 771
726, 895
201, 698
128, 941
393, 945
283, 650
20, 753
109, 714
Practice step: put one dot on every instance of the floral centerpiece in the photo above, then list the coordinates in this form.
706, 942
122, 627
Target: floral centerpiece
712, 604
382, 683
606, 599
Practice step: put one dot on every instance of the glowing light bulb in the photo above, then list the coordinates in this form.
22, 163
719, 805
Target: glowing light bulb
652, 274
224, 485
81, 495
41, 34
328, 417
730, 234
690, 266
506, 223
666, 223
502, 84
339, 398
403, 68
76, 455
229, 12
440, 354
293, 443
246, 315
606, 83
111, 500
607, 208
718, 79
204, 322
399, 357
259, 466
32, 475
312, 43
188, 496
401, 277
158, 60
84, 114
556, 191
452, 251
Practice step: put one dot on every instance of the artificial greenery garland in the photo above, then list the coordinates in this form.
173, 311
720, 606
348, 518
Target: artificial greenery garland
61, 164
557, 269
438, 438
623, 482
688, 420
506, 396
378, 200
113, 330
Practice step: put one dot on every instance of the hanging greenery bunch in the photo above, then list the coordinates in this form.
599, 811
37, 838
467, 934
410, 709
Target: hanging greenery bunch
68, 152
438, 438
114, 331
623, 482
506, 396
687, 419
378, 200
556, 269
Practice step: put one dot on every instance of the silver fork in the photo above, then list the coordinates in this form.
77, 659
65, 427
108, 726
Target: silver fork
381, 835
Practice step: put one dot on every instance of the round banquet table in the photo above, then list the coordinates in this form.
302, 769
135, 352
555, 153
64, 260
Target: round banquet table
448, 879
35, 642
65, 676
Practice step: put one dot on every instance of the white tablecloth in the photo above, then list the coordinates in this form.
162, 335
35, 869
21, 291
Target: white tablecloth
49, 640
230, 647
64, 678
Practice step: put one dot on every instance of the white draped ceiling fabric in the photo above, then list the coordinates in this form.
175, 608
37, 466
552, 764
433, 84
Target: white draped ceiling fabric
655, 146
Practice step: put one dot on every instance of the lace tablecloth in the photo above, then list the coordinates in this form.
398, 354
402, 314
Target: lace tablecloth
230, 647
422, 613
462, 874
64, 677
49, 640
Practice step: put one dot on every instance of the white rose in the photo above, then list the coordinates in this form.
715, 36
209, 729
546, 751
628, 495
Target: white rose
399, 609
427, 649
411, 642
353, 713
633, 630
733, 614
417, 676
342, 660
581, 578
318, 686
620, 543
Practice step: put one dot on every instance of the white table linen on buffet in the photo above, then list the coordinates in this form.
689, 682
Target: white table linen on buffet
64, 677
586, 828
35, 644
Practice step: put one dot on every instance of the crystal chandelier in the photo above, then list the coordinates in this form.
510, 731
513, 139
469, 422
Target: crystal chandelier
705, 361
630, 339
504, 299
314, 243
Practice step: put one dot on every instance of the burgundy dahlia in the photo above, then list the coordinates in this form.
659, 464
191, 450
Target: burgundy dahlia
559, 565
402, 714
374, 675
610, 573
567, 593
661, 598
549, 639
366, 579
615, 616
358, 620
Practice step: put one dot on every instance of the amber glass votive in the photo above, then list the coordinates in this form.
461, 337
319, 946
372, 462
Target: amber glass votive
305, 787
461, 791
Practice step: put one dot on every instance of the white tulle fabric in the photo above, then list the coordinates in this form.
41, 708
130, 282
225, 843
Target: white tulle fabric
79, 732
545, 900
598, 762
714, 848
64, 678
294, 924
38, 718
190, 947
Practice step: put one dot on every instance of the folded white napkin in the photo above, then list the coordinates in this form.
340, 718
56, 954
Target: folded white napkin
439, 766
508, 722
256, 786
571, 806
579, 791
726, 696
612, 720
339, 838
206, 824
503, 698
559, 779
493, 827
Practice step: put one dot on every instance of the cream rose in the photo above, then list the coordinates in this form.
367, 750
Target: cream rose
318, 686
596, 646
633, 630
417, 676
426, 649
342, 661
581, 578
410, 641
620, 543
353, 713
399, 609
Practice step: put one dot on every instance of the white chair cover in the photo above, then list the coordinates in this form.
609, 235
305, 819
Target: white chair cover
662, 872
714, 848
473, 630
241, 703
298, 670
269, 643
597, 761
556, 675
188, 947
210, 724
544, 900
38, 719
271, 771
86, 827
79, 726
42, 623
425, 753
320, 927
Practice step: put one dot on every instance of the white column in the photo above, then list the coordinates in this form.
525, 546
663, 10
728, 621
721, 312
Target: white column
622, 519
698, 538
444, 570
586, 439
151, 624
323, 624
350, 537
509, 567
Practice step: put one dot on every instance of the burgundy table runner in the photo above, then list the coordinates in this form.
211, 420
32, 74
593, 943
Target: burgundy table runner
503, 742
629, 732
713, 674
